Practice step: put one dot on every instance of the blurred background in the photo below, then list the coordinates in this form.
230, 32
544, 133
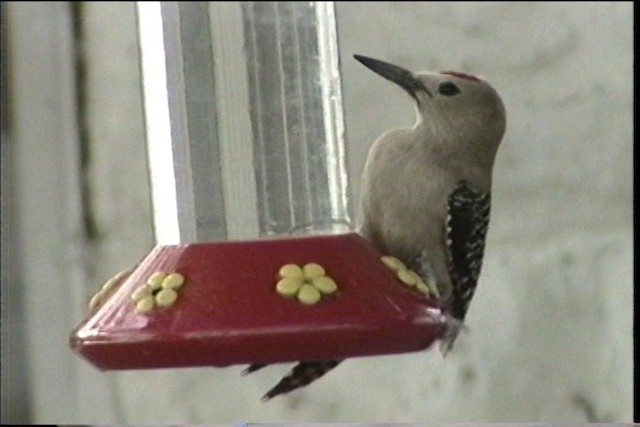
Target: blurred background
550, 334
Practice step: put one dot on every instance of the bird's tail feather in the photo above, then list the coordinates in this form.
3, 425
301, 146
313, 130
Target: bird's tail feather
301, 375
252, 368
454, 326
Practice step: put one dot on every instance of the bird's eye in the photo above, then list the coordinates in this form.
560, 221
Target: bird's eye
448, 89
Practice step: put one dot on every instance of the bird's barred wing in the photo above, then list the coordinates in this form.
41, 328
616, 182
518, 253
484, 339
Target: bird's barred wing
467, 222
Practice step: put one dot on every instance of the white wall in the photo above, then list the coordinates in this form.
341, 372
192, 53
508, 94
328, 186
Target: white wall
550, 331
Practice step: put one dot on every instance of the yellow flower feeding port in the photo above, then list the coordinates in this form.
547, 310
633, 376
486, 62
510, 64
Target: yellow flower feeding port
308, 284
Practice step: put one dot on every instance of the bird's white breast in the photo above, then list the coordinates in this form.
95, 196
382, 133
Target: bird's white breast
405, 195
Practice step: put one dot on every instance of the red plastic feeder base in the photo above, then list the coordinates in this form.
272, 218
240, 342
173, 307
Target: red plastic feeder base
228, 310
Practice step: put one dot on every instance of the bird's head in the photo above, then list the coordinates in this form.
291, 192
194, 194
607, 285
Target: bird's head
449, 102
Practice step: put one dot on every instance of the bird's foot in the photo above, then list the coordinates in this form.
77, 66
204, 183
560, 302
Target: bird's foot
422, 266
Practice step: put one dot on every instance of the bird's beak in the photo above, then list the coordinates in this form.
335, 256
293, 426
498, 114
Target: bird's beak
403, 78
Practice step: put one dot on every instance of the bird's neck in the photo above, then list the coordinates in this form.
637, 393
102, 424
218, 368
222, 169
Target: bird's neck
468, 153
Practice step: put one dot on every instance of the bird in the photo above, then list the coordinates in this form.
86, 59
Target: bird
426, 192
